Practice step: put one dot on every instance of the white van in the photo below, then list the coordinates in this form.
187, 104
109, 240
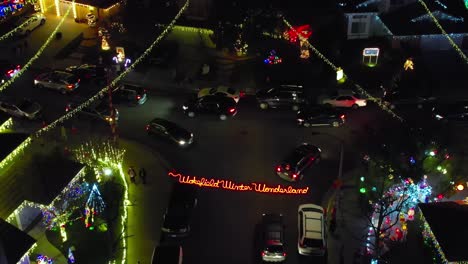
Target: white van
34, 21
311, 226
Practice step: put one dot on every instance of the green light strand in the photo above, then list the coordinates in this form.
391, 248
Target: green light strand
38, 53
335, 68
103, 92
454, 45
6, 125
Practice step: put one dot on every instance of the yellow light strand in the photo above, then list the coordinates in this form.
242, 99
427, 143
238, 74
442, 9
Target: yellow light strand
6, 125
38, 53
335, 68
11, 33
454, 45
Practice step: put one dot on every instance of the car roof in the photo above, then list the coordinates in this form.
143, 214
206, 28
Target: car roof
299, 152
218, 99
312, 220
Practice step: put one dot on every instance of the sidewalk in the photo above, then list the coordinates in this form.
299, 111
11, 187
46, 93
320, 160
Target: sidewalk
143, 229
351, 226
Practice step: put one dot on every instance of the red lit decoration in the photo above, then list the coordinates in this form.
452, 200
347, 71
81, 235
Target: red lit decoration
233, 186
303, 31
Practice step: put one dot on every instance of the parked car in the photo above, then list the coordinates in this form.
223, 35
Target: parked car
8, 70
170, 131
320, 116
273, 238
88, 72
129, 94
62, 81
281, 97
33, 21
222, 106
98, 110
182, 203
24, 108
396, 98
348, 101
167, 254
302, 157
455, 113
311, 229
221, 91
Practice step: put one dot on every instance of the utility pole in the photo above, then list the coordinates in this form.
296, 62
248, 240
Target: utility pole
113, 122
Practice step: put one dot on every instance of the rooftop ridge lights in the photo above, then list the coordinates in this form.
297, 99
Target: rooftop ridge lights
38, 53
366, 3
454, 45
440, 15
442, 5
189, 29
335, 68
26, 255
233, 186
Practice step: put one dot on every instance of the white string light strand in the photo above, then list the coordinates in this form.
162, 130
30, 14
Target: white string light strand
327, 61
454, 45
38, 53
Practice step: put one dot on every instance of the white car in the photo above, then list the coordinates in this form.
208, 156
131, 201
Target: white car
35, 20
311, 227
222, 91
352, 101
23, 108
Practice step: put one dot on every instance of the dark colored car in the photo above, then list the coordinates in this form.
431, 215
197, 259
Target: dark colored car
219, 105
396, 98
182, 203
165, 129
129, 94
88, 72
320, 116
293, 166
273, 238
24, 108
281, 97
167, 254
8, 70
97, 110
456, 113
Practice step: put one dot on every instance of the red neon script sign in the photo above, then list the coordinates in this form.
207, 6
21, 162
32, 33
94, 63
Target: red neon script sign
233, 186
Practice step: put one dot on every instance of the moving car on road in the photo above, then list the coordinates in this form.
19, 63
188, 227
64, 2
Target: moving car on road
221, 91
35, 20
98, 110
348, 101
302, 157
129, 94
455, 113
211, 104
167, 130
182, 203
8, 70
24, 108
273, 238
311, 228
62, 81
396, 98
320, 116
281, 97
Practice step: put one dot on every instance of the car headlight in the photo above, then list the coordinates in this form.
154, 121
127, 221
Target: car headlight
36, 81
184, 107
439, 117
182, 142
300, 120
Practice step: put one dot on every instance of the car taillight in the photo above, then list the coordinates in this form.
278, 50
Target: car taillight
70, 86
241, 93
287, 167
147, 127
278, 168
294, 176
263, 253
342, 117
284, 254
138, 97
78, 80
232, 110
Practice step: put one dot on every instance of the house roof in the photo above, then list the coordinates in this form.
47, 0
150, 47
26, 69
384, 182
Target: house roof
400, 23
3, 118
359, 6
104, 4
447, 221
14, 242
39, 180
9, 142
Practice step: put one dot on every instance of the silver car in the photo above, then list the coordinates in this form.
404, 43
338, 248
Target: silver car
24, 109
59, 80
33, 21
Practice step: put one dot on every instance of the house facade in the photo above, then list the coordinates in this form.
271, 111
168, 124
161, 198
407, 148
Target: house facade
406, 22
101, 9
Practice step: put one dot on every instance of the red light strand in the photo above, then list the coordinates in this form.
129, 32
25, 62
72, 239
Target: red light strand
233, 186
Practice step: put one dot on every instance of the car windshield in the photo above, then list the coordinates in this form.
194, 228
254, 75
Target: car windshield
170, 127
314, 243
71, 79
275, 248
25, 104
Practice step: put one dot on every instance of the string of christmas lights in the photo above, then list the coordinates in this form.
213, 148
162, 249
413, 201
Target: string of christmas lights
335, 68
454, 45
11, 33
39, 52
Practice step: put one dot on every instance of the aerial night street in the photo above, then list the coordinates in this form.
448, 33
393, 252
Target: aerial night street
206, 131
